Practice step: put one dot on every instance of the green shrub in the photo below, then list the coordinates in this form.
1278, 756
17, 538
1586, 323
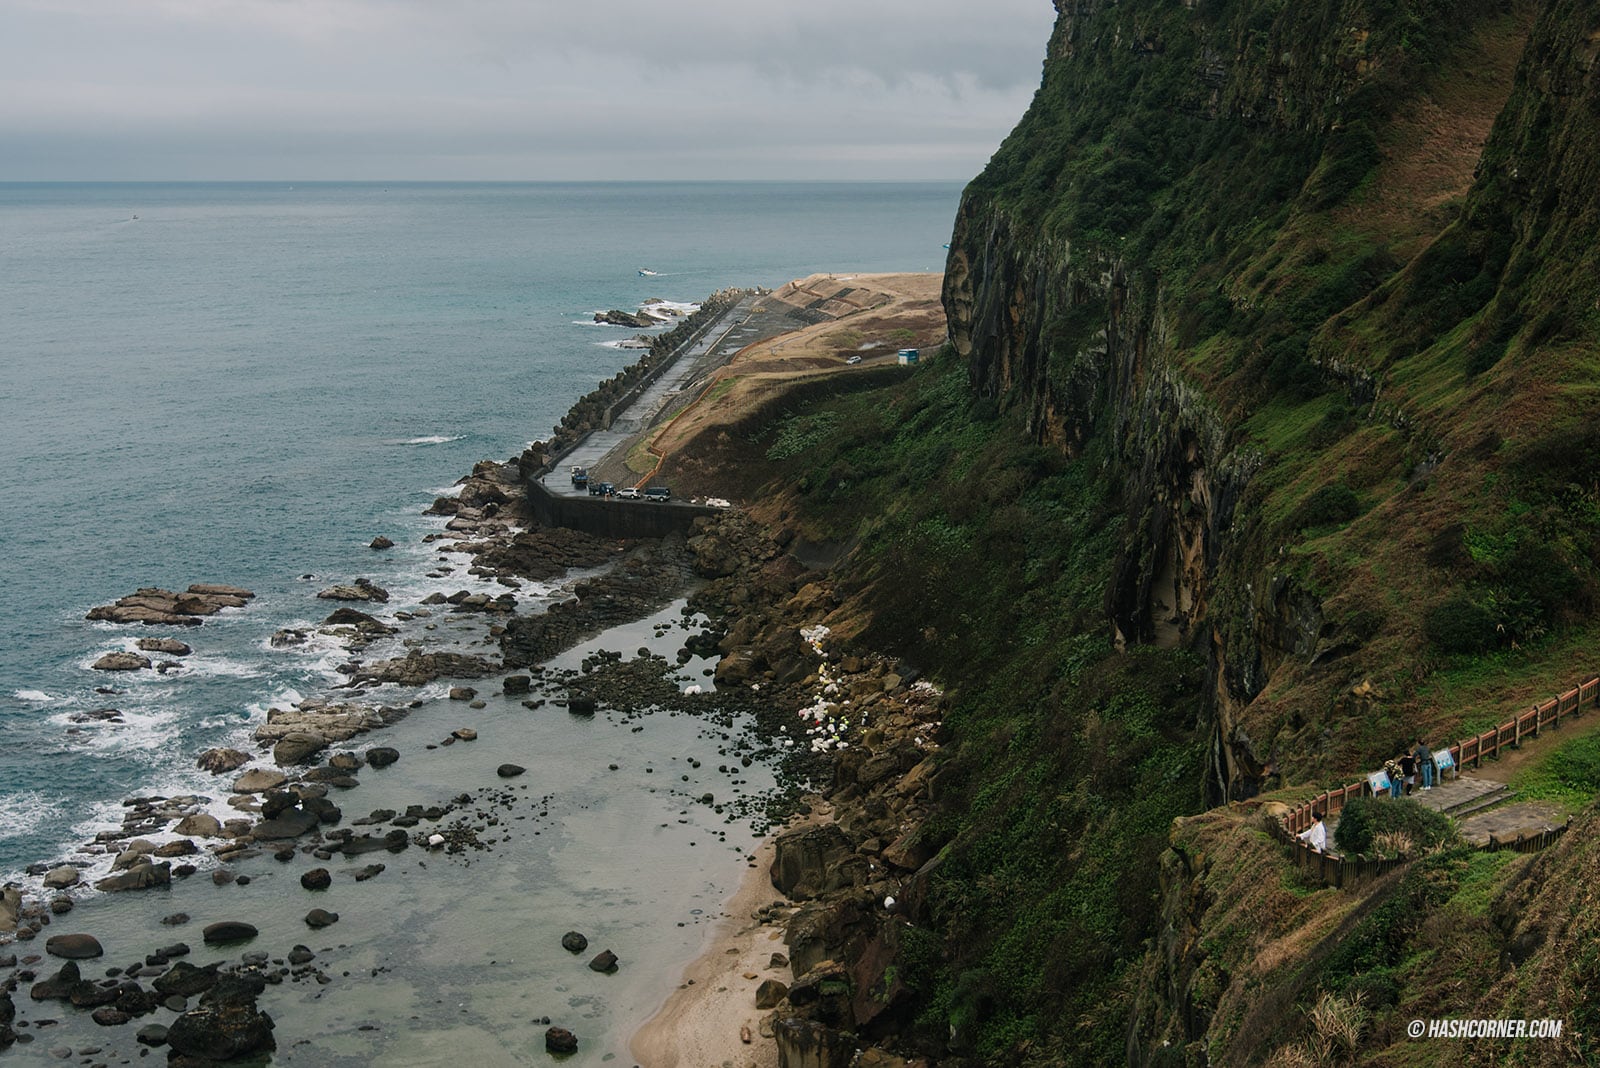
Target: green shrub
1365, 818
1351, 154
1461, 625
1333, 503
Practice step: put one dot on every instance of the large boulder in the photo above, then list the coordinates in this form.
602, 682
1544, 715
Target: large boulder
221, 761
121, 661
61, 878
169, 646
58, 987
73, 946
350, 617
10, 908
810, 861
809, 1044
259, 780
288, 824
199, 825
298, 747
185, 980
225, 931
714, 556
141, 876
360, 590
226, 1026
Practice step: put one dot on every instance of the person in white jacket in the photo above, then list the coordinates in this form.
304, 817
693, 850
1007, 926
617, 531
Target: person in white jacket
1316, 835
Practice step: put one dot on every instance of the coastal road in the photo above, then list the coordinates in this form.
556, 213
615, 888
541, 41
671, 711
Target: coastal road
737, 327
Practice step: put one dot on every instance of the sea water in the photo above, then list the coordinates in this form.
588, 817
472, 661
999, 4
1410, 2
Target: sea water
246, 383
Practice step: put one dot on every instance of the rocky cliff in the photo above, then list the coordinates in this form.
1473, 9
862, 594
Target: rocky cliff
1314, 278
1265, 441
1262, 251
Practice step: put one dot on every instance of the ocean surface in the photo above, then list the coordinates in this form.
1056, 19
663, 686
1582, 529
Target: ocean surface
245, 384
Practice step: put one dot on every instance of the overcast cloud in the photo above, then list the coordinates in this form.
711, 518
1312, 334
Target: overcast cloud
501, 89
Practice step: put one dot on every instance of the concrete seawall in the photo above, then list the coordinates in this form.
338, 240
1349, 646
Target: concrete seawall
607, 517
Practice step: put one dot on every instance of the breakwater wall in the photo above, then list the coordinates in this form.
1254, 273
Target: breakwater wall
608, 517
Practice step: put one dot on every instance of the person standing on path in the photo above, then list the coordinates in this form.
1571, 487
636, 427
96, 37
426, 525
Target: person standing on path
1408, 771
1424, 757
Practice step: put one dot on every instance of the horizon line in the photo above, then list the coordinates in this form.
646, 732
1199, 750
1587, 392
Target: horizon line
479, 181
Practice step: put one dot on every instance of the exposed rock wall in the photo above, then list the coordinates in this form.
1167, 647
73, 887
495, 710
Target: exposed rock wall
1068, 276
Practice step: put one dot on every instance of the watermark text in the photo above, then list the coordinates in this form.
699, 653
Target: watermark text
1469, 1028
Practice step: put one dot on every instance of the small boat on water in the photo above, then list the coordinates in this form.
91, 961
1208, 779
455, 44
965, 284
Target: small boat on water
645, 272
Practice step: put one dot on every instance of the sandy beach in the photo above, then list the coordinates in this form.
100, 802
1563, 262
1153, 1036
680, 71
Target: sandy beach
701, 1024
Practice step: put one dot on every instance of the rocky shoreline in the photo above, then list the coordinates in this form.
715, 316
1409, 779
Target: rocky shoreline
849, 875
288, 801
860, 731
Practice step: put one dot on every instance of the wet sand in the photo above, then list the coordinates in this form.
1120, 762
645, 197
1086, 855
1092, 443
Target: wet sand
701, 1025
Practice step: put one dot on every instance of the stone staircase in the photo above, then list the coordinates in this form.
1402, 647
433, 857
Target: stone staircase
1463, 796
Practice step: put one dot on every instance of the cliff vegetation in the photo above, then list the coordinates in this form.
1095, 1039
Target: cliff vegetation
1267, 438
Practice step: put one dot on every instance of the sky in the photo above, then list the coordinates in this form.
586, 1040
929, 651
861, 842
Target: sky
506, 90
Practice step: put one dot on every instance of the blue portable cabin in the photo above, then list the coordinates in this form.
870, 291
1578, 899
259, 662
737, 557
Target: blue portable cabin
908, 357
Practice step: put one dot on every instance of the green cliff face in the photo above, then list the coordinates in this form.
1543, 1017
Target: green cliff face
1339, 346
1268, 437
1315, 285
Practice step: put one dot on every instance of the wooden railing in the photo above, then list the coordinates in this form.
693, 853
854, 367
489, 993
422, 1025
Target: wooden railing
1335, 870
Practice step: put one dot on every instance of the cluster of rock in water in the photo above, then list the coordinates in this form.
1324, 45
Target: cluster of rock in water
759, 598
210, 1011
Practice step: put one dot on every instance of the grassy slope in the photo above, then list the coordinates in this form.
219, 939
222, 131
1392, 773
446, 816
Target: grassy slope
1460, 934
1348, 306
981, 558
1415, 365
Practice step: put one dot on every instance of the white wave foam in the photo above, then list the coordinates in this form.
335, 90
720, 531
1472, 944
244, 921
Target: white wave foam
21, 813
222, 667
680, 307
287, 697
139, 732
429, 439
36, 696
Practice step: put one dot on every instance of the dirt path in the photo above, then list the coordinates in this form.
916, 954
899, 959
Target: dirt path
1533, 750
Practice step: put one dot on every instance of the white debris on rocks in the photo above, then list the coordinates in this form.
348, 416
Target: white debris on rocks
827, 712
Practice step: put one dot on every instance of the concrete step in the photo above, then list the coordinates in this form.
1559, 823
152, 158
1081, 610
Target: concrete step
1479, 804
1455, 794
